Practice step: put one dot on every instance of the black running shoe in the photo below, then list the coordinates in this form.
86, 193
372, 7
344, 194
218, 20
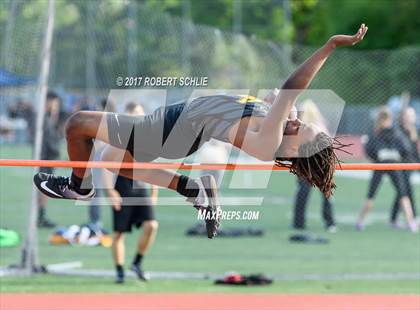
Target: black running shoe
59, 187
44, 222
119, 279
207, 202
139, 272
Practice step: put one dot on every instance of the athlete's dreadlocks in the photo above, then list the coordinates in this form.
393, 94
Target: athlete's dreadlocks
316, 162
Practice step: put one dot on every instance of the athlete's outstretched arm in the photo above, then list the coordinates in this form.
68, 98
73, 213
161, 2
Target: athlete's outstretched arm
270, 134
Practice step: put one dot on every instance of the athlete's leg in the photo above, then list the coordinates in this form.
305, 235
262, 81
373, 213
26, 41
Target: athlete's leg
327, 213
118, 253
160, 177
118, 248
148, 236
375, 181
81, 128
194, 189
397, 180
396, 207
146, 239
407, 175
301, 200
394, 211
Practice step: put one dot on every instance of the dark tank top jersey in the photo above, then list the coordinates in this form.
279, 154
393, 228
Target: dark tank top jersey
178, 130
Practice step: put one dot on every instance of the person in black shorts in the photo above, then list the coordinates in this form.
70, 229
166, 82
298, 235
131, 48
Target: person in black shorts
260, 128
385, 145
132, 206
94, 211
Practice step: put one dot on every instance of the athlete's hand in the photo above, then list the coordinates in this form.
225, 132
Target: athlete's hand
346, 40
115, 199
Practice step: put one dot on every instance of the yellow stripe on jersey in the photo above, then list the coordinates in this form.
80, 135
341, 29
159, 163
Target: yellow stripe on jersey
245, 99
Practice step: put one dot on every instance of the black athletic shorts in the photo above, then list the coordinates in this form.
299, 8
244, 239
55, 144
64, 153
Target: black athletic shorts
164, 133
130, 216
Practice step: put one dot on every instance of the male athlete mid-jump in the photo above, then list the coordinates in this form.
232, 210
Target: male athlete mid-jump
257, 127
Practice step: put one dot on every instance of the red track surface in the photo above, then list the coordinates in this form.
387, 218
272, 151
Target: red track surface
206, 302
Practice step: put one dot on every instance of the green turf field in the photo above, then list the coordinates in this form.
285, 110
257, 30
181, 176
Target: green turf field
59, 284
378, 252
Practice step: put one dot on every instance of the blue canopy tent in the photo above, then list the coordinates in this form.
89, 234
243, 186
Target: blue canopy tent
9, 79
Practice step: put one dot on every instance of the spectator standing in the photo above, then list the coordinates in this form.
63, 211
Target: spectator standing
24, 110
385, 145
50, 150
311, 114
132, 206
407, 127
97, 174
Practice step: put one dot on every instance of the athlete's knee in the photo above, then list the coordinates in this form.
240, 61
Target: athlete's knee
150, 226
369, 203
76, 123
106, 154
118, 236
404, 200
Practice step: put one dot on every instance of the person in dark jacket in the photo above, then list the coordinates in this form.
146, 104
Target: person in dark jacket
311, 114
386, 146
408, 130
50, 150
24, 109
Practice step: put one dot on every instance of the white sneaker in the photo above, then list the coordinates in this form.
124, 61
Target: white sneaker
332, 229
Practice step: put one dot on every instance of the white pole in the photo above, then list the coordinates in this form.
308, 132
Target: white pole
30, 253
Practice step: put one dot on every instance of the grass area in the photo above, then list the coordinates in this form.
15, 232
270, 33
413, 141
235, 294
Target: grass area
377, 250
58, 284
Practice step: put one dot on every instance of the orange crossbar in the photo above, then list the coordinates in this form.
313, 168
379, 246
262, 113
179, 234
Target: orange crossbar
183, 166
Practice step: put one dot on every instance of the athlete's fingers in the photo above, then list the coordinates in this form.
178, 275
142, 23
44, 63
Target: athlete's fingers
362, 30
366, 29
361, 33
